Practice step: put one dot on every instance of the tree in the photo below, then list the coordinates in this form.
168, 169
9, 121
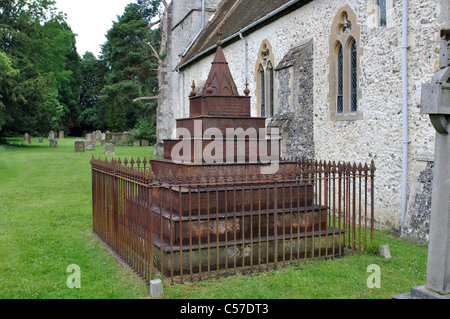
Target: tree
93, 73
156, 9
6, 74
39, 44
130, 64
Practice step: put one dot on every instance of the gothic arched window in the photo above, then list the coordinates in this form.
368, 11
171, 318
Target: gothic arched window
344, 91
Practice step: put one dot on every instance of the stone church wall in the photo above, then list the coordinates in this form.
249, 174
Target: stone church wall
377, 133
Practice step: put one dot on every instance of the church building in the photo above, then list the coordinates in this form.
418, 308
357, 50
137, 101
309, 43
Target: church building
340, 80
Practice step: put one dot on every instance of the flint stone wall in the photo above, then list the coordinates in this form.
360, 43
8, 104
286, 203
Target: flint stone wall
377, 134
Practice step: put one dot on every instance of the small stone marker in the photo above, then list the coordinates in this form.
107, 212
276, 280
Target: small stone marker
98, 136
385, 251
108, 137
88, 137
90, 145
80, 146
51, 135
109, 149
156, 288
136, 143
53, 143
41, 140
61, 135
27, 139
145, 143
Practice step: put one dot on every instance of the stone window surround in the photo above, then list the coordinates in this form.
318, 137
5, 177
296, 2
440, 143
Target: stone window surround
339, 34
373, 14
265, 59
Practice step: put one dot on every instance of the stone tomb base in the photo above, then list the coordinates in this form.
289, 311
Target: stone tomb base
245, 253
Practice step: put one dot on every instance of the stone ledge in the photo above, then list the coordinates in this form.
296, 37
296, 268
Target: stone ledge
421, 292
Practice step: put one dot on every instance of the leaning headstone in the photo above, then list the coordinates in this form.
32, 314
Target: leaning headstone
145, 143
93, 136
109, 149
80, 146
27, 139
156, 288
51, 135
61, 135
41, 140
136, 143
53, 143
385, 252
90, 145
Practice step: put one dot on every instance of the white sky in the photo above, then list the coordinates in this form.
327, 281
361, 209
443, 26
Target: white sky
91, 19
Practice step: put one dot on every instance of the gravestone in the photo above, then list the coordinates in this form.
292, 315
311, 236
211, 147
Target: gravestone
145, 143
61, 135
41, 140
385, 252
27, 139
156, 288
436, 103
108, 137
53, 143
51, 135
127, 136
90, 145
88, 137
109, 149
98, 136
80, 146
136, 143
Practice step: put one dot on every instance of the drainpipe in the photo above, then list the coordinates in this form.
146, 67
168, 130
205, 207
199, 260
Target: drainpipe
201, 29
245, 58
405, 110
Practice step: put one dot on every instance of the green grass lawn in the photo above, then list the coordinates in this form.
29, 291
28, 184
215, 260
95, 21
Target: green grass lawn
46, 225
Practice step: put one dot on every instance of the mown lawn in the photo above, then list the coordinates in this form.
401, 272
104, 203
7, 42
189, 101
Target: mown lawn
46, 225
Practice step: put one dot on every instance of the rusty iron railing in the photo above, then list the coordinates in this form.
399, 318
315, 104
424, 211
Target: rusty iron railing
195, 227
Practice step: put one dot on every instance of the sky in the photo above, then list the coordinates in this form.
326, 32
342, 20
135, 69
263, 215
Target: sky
91, 19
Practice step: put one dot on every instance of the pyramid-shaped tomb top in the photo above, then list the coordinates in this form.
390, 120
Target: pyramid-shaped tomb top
220, 96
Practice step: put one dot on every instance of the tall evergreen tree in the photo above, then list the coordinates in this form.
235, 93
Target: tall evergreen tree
39, 44
132, 71
93, 74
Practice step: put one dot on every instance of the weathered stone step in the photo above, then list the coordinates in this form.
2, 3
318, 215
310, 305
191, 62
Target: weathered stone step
222, 255
245, 150
222, 123
184, 201
234, 226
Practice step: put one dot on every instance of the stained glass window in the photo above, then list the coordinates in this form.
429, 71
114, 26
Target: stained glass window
354, 76
263, 93
271, 92
382, 12
340, 93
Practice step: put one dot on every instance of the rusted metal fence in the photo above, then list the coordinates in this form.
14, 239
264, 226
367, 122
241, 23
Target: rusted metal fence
194, 227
